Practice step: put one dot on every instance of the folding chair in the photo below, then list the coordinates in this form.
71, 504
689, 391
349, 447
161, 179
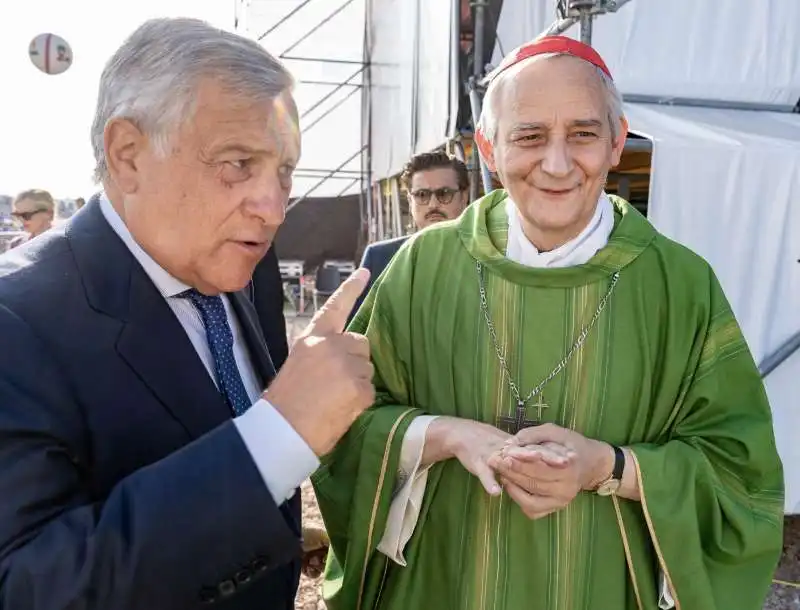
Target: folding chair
327, 281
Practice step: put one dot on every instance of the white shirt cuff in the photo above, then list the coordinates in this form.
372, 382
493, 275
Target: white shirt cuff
405, 507
281, 455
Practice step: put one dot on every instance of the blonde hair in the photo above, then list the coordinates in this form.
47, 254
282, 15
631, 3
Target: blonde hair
38, 195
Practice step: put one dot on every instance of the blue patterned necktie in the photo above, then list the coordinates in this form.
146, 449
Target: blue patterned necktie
220, 341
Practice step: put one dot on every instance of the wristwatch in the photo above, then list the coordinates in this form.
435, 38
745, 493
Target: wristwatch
611, 485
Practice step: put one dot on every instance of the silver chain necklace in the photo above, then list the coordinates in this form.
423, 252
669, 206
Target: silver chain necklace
517, 422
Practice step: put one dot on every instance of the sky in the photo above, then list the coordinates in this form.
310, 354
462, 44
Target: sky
45, 119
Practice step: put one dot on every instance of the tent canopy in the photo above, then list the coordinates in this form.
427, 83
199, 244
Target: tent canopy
414, 79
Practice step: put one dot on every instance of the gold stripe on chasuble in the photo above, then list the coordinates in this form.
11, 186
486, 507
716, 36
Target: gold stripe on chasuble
581, 408
723, 339
505, 303
567, 524
376, 502
628, 558
661, 562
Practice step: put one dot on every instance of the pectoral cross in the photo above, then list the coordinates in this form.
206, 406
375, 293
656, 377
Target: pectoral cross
539, 405
512, 425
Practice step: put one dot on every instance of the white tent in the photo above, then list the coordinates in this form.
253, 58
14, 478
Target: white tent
726, 166
414, 79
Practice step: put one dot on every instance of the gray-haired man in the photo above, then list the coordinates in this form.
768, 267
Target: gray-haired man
142, 463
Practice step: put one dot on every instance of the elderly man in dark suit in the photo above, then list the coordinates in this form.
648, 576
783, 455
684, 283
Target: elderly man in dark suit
436, 185
143, 465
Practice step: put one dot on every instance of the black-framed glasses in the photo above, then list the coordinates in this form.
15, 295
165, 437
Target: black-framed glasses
443, 195
26, 215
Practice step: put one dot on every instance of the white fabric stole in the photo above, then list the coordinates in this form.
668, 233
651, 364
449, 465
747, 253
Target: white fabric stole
404, 510
665, 599
576, 251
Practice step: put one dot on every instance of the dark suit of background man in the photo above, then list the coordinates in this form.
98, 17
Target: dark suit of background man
141, 467
267, 296
437, 187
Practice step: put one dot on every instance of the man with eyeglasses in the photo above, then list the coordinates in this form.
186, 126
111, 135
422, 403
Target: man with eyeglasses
437, 186
34, 210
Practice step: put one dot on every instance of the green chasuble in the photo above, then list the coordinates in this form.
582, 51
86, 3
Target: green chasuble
665, 371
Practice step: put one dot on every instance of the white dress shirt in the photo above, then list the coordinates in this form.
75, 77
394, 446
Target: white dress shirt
281, 455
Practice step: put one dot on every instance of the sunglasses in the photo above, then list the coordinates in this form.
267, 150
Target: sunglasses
26, 215
443, 195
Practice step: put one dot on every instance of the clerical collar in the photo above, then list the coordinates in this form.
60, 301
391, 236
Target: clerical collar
577, 251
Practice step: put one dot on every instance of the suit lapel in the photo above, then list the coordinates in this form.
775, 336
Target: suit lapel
156, 347
253, 336
152, 341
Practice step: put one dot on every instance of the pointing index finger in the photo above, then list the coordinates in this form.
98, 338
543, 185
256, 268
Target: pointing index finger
332, 318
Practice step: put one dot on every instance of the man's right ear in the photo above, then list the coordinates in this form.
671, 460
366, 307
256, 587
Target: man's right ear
123, 142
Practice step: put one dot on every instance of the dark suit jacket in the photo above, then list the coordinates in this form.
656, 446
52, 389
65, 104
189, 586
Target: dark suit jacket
124, 484
376, 258
267, 293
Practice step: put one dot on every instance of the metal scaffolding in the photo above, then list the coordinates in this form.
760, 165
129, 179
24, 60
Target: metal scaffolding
341, 79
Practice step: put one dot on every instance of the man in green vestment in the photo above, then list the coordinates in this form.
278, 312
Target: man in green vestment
651, 480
